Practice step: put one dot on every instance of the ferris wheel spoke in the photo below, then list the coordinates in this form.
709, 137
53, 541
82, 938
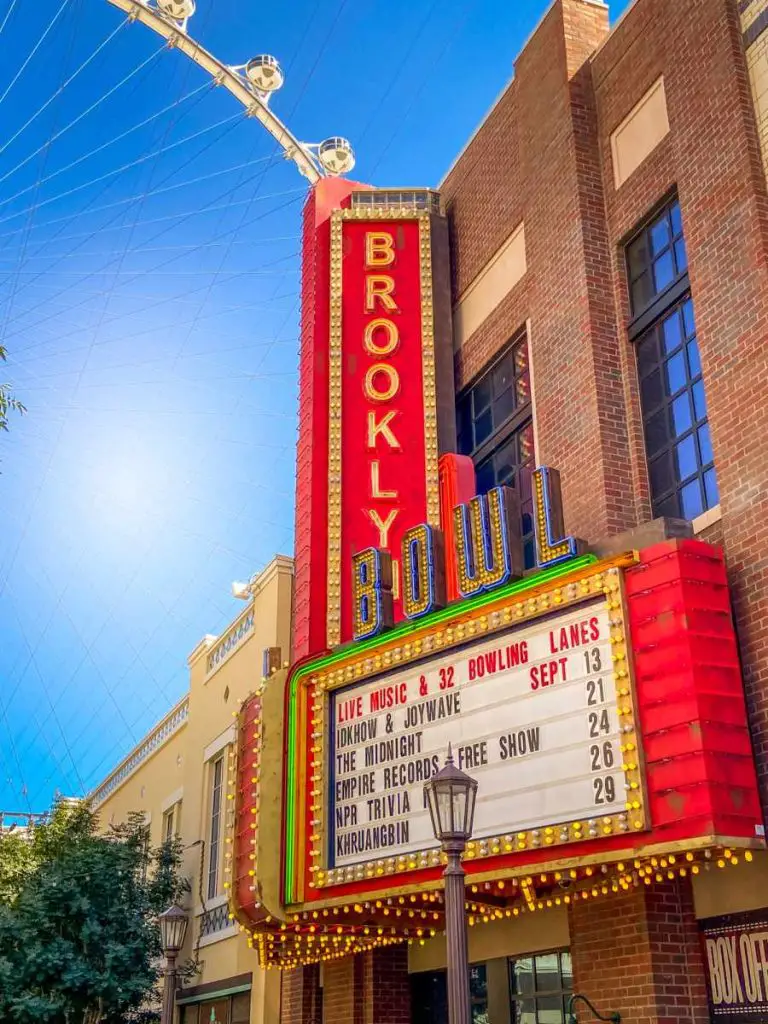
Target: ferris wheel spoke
252, 84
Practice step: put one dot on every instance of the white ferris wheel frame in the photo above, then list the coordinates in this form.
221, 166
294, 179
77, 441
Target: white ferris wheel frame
256, 103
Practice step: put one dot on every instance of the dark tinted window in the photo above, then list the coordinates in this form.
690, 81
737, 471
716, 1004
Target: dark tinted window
656, 257
678, 445
495, 428
677, 438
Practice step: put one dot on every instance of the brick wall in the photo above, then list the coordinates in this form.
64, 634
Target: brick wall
551, 156
544, 157
341, 990
300, 996
640, 954
370, 988
389, 999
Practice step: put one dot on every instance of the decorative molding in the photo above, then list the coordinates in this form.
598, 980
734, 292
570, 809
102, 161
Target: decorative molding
490, 286
215, 925
172, 799
214, 989
238, 632
158, 737
641, 131
213, 903
200, 648
222, 740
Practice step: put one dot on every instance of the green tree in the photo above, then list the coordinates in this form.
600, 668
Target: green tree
7, 402
79, 939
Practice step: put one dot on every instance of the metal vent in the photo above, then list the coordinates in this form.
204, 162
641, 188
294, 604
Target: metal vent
399, 198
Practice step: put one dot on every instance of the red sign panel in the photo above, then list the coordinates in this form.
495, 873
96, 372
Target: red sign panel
382, 418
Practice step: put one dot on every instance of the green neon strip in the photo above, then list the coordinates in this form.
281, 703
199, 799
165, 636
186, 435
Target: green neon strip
403, 630
290, 809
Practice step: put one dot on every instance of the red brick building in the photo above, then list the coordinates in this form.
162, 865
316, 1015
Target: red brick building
608, 234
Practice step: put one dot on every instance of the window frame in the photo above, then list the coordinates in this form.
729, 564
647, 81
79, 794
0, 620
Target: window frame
520, 415
190, 1012
537, 993
215, 821
519, 420
647, 327
674, 437
641, 319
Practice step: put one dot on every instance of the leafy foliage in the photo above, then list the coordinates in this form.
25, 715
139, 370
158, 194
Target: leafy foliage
7, 402
79, 940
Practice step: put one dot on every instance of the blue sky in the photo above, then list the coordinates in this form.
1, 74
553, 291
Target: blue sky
149, 305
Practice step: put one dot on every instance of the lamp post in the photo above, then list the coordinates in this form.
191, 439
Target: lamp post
451, 800
173, 928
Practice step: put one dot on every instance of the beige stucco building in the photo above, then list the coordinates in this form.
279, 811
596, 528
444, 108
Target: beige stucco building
177, 776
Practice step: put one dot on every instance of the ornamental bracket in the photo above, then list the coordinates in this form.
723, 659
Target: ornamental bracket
613, 1018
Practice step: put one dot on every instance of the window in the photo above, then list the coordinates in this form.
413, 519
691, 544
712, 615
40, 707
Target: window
217, 774
495, 428
540, 987
656, 258
172, 822
677, 441
227, 1010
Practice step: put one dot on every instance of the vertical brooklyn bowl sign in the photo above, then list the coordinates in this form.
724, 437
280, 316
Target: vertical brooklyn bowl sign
383, 411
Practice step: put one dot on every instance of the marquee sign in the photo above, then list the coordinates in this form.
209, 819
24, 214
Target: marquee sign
534, 714
382, 444
555, 692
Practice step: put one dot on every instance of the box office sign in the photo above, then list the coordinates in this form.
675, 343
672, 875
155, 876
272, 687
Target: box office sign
736, 957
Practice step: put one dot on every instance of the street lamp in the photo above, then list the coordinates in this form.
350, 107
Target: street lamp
173, 928
451, 799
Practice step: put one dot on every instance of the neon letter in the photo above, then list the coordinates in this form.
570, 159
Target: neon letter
382, 427
383, 526
552, 546
488, 550
376, 491
372, 610
391, 336
379, 286
391, 388
423, 571
379, 249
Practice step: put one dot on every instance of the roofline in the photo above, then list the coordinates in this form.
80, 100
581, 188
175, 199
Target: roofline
510, 80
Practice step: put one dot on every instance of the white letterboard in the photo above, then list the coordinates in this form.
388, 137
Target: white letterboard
531, 714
